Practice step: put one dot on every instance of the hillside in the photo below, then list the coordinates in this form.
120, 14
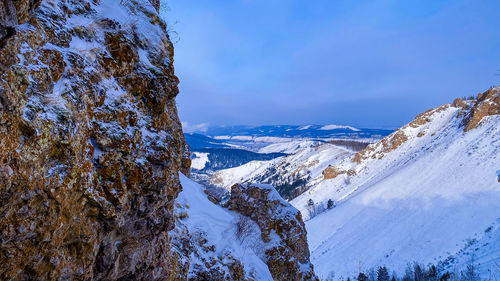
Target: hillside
427, 193
290, 175
93, 158
259, 239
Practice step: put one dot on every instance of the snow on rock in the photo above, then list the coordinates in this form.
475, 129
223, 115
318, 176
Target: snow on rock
427, 193
199, 160
91, 144
260, 236
282, 230
290, 175
206, 241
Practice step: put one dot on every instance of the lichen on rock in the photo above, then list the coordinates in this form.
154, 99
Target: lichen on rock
90, 143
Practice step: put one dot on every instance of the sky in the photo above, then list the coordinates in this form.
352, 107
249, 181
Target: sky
370, 64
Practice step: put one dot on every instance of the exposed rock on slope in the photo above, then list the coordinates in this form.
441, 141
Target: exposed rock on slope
331, 173
486, 104
206, 242
432, 198
281, 225
290, 175
8, 21
90, 142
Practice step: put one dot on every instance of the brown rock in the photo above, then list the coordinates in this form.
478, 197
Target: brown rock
8, 21
486, 104
288, 258
88, 164
332, 172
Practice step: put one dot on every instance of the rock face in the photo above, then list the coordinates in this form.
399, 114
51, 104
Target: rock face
8, 21
486, 104
281, 225
332, 172
90, 142
471, 112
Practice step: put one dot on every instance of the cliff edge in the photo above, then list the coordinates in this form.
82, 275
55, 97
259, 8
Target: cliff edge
91, 144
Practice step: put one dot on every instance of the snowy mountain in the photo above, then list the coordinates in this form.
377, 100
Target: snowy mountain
294, 131
427, 193
247, 159
290, 175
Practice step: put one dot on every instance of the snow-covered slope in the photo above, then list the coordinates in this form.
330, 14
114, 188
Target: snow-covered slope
427, 193
199, 160
289, 147
227, 177
260, 237
213, 229
291, 174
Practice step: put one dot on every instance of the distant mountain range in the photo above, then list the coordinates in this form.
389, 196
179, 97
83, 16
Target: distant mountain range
225, 147
294, 131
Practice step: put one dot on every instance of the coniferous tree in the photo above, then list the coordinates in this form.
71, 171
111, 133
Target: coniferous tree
445, 277
418, 273
382, 274
362, 277
310, 207
431, 274
330, 204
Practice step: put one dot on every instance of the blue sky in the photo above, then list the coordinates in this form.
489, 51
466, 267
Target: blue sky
362, 63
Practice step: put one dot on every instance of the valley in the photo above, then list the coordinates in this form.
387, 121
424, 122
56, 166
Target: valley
115, 163
426, 193
291, 158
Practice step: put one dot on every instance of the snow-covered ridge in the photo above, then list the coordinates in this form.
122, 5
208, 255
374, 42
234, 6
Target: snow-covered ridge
289, 174
421, 194
333, 127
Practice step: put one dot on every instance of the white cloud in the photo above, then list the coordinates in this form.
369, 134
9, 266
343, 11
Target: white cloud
191, 128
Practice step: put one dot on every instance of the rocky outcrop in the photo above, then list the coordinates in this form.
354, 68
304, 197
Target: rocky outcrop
90, 142
332, 172
282, 228
486, 104
400, 136
471, 111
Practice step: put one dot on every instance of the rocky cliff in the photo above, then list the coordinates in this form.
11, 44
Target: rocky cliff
90, 141
399, 200
282, 229
92, 155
